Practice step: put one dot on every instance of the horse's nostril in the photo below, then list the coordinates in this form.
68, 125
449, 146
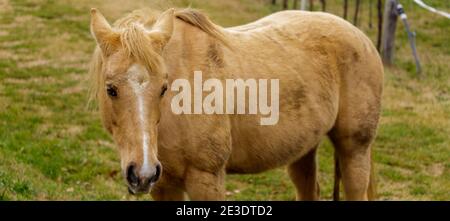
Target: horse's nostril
132, 177
157, 174
158, 170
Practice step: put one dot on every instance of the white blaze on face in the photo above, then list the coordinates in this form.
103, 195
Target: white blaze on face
139, 79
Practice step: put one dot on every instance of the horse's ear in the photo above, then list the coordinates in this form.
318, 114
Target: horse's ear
162, 29
106, 38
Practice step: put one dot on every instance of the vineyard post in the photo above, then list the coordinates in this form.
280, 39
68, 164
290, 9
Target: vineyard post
324, 5
355, 17
380, 23
389, 28
345, 9
285, 4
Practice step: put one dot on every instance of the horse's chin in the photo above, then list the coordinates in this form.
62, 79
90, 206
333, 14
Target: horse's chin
138, 191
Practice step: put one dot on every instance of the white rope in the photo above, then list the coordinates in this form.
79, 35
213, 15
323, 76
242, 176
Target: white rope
431, 9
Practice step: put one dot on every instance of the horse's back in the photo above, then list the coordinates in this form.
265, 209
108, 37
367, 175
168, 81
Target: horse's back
268, 21
294, 26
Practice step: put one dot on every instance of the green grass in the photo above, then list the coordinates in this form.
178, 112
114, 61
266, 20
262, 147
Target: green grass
53, 148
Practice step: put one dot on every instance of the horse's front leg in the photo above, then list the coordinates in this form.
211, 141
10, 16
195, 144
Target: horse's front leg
203, 185
167, 189
164, 193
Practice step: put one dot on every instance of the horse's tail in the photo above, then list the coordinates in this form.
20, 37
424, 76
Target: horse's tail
337, 178
371, 191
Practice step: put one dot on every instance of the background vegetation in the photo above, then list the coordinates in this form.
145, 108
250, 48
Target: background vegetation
53, 148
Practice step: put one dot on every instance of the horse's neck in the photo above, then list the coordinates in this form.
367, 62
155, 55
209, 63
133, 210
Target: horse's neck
187, 51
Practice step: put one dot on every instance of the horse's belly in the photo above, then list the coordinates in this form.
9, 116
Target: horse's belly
258, 148
247, 160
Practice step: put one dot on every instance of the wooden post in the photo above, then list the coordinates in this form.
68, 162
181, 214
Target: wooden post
355, 17
285, 4
324, 5
345, 9
380, 23
389, 27
370, 14
294, 6
311, 5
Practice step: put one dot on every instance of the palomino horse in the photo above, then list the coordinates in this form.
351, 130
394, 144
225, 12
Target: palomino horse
330, 84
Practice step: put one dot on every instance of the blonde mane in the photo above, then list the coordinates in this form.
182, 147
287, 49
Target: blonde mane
135, 42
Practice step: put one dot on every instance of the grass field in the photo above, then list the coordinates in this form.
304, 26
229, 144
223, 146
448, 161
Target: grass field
53, 148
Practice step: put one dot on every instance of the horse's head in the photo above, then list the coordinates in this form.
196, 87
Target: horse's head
131, 83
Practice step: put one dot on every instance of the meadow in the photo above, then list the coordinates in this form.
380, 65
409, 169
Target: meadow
53, 147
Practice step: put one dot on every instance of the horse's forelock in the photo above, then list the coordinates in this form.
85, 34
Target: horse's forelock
137, 45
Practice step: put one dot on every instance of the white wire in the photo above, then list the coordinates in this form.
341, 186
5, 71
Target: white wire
423, 5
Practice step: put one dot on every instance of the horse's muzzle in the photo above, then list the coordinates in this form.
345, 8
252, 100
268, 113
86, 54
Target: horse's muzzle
138, 183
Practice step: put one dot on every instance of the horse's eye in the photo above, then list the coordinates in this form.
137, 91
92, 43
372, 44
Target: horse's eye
111, 90
163, 90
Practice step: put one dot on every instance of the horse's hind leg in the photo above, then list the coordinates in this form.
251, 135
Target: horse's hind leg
355, 127
353, 148
303, 174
